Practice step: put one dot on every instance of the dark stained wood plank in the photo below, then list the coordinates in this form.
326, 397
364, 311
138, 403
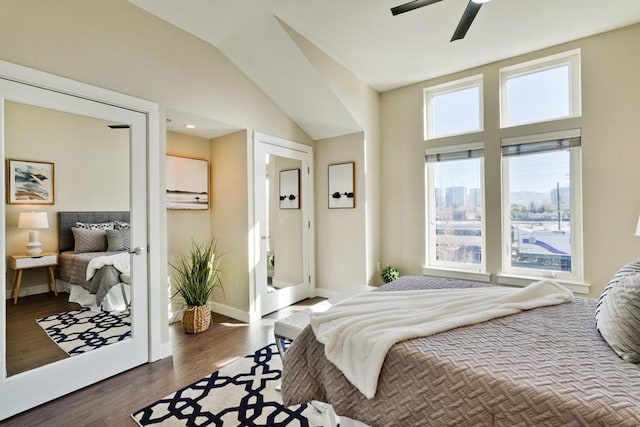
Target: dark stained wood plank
110, 402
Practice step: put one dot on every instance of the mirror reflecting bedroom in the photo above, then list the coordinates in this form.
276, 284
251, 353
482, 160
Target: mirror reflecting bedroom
67, 235
284, 234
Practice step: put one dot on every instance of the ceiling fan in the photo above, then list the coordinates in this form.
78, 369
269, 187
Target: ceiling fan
472, 9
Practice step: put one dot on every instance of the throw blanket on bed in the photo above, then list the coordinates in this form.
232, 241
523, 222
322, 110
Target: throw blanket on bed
121, 261
358, 332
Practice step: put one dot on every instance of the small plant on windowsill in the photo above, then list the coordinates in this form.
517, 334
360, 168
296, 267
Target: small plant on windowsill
390, 273
196, 277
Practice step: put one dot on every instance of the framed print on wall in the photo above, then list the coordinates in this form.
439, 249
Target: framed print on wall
290, 189
341, 186
187, 183
30, 182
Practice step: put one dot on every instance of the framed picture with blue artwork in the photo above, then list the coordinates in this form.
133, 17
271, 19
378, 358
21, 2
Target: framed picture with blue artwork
30, 182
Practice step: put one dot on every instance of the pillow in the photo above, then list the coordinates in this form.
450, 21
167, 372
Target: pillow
88, 240
95, 226
119, 225
617, 318
118, 240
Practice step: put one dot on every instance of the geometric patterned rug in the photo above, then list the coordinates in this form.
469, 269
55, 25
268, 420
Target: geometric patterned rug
83, 330
242, 393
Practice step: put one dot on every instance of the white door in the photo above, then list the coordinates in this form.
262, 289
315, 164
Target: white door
27, 389
283, 202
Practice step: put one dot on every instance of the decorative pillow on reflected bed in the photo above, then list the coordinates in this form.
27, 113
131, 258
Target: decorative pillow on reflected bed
120, 225
118, 240
95, 226
618, 313
88, 240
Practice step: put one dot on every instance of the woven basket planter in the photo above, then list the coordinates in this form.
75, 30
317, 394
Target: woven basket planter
196, 319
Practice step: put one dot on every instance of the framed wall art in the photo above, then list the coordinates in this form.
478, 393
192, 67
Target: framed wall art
290, 189
30, 182
342, 186
187, 183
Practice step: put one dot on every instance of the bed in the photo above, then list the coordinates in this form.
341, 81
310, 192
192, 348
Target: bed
109, 287
544, 367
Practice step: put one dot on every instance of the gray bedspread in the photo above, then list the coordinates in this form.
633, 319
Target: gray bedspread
72, 268
544, 367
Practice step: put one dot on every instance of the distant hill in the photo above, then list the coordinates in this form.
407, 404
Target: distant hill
526, 197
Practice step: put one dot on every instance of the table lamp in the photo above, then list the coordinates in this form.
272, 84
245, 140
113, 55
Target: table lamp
33, 221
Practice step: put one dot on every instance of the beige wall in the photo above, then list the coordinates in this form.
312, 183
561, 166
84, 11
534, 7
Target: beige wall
229, 214
185, 226
610, 129
364, 105
115, 45
340, 253
91, 171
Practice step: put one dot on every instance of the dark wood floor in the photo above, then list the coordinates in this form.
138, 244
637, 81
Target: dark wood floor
28, 346
110, 402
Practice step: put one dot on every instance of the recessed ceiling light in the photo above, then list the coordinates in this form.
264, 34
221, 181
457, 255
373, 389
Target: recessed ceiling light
190, 126
481, 1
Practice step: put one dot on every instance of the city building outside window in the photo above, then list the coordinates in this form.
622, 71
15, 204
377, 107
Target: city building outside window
455, 207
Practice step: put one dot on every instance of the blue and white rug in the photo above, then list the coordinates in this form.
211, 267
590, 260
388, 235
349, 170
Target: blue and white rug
242, 393
79, 331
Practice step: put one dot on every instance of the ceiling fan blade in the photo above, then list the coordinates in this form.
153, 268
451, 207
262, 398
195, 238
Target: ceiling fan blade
415, 4
467, 18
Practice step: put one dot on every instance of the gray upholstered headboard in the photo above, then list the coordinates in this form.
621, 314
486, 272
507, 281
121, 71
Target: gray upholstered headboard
66, 220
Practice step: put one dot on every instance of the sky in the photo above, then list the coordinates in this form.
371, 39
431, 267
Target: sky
539, 173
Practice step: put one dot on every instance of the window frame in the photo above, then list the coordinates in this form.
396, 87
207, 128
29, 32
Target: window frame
571, 58
430, 231
575, 178
454, 86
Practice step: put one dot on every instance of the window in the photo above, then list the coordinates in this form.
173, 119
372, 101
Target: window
542, 231
455, 207
541, 90
453, 108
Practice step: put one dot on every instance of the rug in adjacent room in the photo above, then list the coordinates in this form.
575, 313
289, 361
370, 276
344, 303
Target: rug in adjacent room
242, 393
79, 331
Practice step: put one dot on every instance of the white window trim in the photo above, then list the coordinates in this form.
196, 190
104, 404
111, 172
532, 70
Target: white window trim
577, 274
454, 86
570, 58
443, 268
576, 286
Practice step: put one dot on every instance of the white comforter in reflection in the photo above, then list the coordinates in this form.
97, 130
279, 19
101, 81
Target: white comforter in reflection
121, 261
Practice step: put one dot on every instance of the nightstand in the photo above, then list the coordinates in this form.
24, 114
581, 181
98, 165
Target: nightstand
23, 262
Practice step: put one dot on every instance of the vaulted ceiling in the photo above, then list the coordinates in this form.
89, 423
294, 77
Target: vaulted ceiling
382, 50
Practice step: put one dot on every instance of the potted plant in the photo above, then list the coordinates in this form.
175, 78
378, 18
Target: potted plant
390, 273
196, 276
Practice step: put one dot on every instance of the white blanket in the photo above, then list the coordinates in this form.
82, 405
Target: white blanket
358, 332
121, 261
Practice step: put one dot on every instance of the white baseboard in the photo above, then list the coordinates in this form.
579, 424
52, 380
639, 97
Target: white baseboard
232, 312
325, 293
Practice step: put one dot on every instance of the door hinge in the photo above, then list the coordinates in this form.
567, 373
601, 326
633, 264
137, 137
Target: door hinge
309, 225
308, 170
309, 278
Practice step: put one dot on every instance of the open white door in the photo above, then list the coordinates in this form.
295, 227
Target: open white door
283, 203
27, 389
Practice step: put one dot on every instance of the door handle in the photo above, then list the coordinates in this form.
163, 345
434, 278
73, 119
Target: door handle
136, 251
264, 237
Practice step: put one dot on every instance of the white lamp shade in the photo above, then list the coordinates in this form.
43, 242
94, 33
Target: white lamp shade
638, 228
33, 220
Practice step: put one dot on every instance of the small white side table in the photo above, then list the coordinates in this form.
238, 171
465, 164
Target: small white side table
23, 262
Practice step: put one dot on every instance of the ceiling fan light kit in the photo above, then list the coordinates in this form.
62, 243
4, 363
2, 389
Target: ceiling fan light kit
469, 14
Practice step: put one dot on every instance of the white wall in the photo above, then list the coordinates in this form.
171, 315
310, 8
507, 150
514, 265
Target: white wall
610, 128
